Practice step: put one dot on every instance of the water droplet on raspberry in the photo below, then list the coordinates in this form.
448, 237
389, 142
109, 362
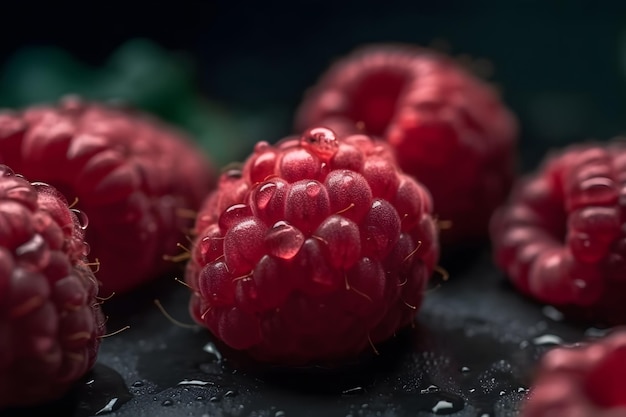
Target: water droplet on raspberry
283, 240
233, 215
268, 200
81, 216
321, 141
307, 205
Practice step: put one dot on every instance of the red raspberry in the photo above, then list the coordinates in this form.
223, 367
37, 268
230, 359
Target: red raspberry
448, 128
560, 237
316, 249
132, 174
50, 321
585, 380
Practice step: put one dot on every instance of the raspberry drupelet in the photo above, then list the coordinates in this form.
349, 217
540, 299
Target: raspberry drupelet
316, 249
584, 380
51, 322
561, 238
134, 175
448, 128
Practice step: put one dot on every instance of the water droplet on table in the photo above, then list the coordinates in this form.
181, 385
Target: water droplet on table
353, 391
552, 313
212, 349
104, 391
195, 382
547, 339
430, 388
230, 393
108, 407
441, 406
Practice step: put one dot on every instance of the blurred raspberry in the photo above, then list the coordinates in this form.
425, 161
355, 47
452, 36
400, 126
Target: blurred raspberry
135, 176
585, 380
560, 238
449, 129
50, 320
316, 249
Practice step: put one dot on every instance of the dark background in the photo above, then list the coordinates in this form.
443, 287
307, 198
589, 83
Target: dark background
561, 65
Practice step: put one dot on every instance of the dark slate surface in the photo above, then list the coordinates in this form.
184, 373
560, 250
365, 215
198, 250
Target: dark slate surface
472, 353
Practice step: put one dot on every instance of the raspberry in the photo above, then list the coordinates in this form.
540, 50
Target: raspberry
50, 321
560, 237
584, 380
314, 250
131, 173
448, 128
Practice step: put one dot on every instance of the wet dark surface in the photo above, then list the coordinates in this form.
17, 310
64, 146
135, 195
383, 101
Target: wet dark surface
472, 352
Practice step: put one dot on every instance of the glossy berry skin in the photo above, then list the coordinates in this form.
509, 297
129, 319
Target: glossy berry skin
135, 176
316, 249
448, 128
560, 238
584, 380
50, 319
